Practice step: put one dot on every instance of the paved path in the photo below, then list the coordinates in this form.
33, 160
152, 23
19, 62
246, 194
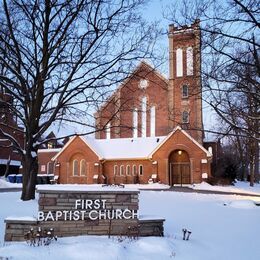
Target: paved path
190, 190
10, 190
173, 189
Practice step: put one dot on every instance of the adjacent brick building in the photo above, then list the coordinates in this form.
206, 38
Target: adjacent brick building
10, 160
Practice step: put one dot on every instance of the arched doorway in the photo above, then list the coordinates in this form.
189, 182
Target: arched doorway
179, 168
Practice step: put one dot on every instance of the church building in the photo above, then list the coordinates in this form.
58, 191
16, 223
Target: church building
150, 129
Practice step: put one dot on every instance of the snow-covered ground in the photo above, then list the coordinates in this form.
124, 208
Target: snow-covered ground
223, 227
239, 187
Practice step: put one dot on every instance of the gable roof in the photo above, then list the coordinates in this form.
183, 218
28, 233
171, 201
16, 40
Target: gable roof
139, 66
187, 135
128, 148
124, 148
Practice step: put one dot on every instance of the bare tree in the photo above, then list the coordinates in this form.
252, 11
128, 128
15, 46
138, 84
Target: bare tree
231, 65
60, 58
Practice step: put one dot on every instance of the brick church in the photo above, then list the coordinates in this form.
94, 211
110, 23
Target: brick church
150, 129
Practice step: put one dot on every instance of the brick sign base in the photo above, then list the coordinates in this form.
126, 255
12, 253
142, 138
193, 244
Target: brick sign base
105, 200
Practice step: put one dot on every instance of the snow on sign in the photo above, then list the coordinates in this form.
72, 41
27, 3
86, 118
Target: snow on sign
97, 211
77, 210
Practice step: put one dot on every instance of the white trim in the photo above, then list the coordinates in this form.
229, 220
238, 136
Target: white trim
143, 104
69, 142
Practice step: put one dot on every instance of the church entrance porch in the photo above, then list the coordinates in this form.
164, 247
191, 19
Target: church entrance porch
179, 168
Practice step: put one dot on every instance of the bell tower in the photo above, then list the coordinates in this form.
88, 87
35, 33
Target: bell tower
185, 97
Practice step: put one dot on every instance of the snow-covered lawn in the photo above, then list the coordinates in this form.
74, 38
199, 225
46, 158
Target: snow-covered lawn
223, 227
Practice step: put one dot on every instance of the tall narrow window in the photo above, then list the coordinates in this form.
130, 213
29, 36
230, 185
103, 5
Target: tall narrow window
185, 117
128, 170
141, 170
115, 170
179, 63
108, 131
135, 123
50, 168
75, 168
185, 91
122, 172
83, 167
152, 121
134, 172
189, 55
144, 102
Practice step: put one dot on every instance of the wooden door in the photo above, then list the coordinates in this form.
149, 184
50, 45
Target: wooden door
180, 173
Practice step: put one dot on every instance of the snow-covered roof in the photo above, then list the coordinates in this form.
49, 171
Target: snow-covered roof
50, 150
124, 148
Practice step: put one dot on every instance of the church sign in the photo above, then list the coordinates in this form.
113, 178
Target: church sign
80, 210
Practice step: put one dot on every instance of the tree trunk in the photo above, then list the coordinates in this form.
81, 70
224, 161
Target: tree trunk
30, 169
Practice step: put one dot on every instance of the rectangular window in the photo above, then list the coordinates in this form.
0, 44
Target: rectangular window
144, 102
141, 170
179, 63
43, 168
135, 123
189, 54
152, 121
185, 91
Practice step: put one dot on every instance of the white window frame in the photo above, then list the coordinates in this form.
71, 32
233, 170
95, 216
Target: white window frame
188, 117
108, 131
189, 61
144, 104
152, 120
135, 123
179, 62
128, 170
73, 167
115, 170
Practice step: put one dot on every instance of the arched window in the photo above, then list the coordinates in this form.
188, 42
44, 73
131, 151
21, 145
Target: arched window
144, 103
210, 149
122, 172
115, 170
50, 168
135, 123
141, 170
185, 117
189, 55
108, 131
75, 168
83, 171
185, 91
152, 121
128, 170
134, 172
179, 63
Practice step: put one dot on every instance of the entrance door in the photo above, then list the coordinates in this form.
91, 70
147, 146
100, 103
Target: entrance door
180, 173
179, 168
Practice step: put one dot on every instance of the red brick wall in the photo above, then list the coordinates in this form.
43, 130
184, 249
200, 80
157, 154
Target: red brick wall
77, 149
129, 97
178, 141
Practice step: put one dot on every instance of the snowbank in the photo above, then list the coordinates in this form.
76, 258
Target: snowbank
5, 184
240, 187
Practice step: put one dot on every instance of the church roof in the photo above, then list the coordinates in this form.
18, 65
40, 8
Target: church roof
124, 148
128, 148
